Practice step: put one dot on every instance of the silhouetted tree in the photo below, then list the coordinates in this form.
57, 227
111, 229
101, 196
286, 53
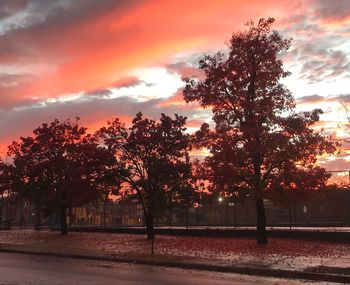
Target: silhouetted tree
152, 154
5, 186
29, 176
61, 167
257, 133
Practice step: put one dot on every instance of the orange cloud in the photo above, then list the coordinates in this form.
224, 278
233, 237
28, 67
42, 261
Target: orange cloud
92, 46
92, 50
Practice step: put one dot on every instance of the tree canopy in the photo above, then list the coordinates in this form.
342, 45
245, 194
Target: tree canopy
258, 135
153, 155
61, 167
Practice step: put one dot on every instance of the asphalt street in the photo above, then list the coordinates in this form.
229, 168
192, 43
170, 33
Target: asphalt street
36, 270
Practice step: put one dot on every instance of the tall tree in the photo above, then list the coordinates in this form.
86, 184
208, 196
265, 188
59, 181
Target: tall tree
152, 154
257, 132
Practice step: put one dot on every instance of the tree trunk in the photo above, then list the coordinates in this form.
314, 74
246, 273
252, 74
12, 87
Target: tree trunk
63, 213
261, 237
149, 213
148, 221
150, 224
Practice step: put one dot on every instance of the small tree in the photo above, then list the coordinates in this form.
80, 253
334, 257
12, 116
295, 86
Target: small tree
151, 153
29, 176
257, 132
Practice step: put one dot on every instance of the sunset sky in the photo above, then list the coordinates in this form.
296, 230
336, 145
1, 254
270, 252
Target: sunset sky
104, 59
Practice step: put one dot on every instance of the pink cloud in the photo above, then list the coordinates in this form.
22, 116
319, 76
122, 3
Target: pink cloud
88, 44
67, 47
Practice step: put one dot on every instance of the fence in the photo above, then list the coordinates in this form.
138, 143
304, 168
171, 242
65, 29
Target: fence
327, 212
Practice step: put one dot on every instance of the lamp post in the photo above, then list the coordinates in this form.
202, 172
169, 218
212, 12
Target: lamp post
220, 200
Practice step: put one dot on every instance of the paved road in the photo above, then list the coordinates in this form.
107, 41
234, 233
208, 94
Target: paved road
37, 270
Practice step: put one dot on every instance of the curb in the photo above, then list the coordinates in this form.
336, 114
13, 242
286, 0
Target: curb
266, 272
343, 237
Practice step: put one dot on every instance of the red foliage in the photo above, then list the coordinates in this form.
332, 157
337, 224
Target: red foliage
223, 250
259, 140
217, 247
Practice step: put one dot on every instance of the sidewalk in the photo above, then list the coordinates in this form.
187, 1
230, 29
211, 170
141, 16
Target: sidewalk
302, 259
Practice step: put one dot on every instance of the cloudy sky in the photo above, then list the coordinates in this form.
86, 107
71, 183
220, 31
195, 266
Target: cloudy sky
104, 59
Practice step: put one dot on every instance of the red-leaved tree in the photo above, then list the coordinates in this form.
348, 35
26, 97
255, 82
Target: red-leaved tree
153, 155
257, 131
61, 167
